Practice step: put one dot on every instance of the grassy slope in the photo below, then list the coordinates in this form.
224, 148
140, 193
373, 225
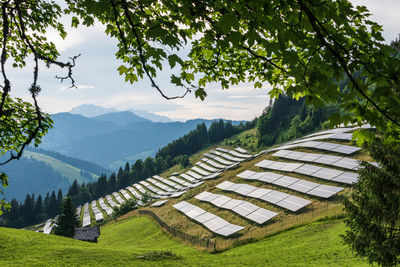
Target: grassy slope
124, 242
63, 168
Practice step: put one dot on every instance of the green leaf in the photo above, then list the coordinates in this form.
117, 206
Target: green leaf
200, 93
74, 22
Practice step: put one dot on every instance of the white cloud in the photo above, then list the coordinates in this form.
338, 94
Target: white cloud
78, 87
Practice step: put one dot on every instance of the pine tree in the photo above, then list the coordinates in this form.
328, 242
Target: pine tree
373, 213
74, 189
68, 219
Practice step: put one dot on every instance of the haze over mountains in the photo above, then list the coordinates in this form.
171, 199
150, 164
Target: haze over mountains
111, 139
89, 111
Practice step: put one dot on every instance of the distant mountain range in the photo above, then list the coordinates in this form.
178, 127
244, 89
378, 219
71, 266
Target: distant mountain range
89, 111
112, 139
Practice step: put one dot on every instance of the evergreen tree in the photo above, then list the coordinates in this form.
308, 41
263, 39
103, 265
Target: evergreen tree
101, 186
59, 197
53, 205
68, 219
73, 189
112, 184
373, 212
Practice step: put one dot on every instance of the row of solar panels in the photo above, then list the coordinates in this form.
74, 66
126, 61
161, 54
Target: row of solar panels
342, 162
311, 170
213, 222
296, 184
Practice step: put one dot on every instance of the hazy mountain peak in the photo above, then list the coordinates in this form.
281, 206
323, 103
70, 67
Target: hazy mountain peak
89, 110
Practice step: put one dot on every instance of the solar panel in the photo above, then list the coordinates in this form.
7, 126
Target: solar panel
346, 177
269, 177
264, 163
295, 155
308, 169
245, 189
211, 176
274, 196
310, 157
210, 197
207, 167
327, 146
232, 158
229, 229
221, 160
303, 186
290, 167
285, 181
347, 163
342, 136
346, 149
325, 191
208, 155
204, 217
195, 175
293, 203
215, 223
231, 204
215, 164
195, 212
246, 174
177, 194
261, 215
180, 205
310, 144
187, 177
241, 150
158, 203
281, 153
220, 200
224, 185
240, 155
259, 192
200, 171
222, 149
327, 159
327, 174
245, 208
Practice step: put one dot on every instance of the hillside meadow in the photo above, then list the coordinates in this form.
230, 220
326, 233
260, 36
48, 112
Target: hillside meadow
138, 241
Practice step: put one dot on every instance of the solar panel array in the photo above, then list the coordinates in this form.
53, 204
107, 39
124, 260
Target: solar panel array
342, 162
106, 208
86, 215
159, 203
98, 215
342, 149
299, 185
213, 222
243, 208
48, 226
111, 201
118, 198
311, 170
287, 201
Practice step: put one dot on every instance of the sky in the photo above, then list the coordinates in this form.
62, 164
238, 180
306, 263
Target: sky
99, 82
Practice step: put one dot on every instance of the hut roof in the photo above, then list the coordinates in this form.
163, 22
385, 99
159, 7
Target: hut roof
86, 233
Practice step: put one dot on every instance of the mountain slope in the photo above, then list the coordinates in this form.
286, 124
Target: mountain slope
40, 172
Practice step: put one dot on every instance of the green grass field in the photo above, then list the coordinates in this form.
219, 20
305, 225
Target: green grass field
138, 241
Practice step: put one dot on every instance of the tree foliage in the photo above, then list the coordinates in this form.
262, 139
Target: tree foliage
301, 47
374, 210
